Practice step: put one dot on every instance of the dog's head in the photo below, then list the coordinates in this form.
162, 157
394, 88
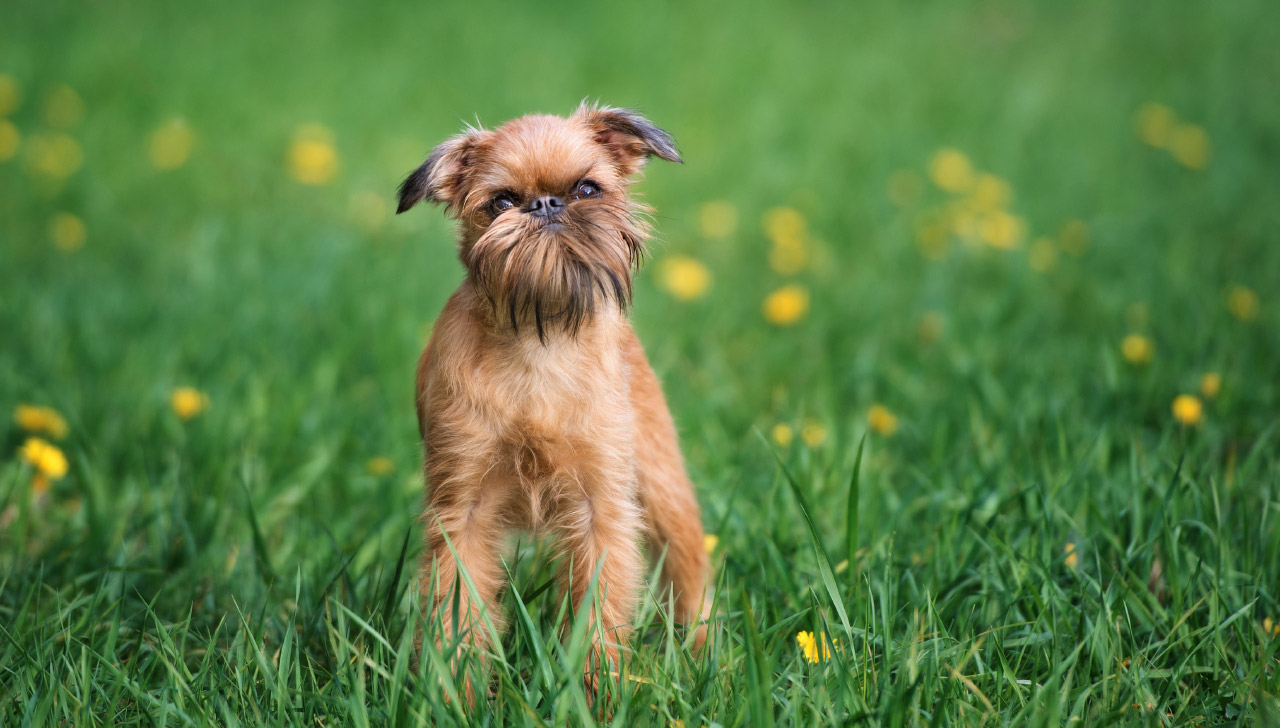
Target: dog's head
547, 222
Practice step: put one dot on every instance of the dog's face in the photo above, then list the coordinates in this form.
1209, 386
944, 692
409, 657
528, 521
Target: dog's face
547, 223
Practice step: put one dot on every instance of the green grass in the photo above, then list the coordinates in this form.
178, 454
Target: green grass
246, 568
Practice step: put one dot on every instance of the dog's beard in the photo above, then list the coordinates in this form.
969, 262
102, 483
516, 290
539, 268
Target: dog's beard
555, 273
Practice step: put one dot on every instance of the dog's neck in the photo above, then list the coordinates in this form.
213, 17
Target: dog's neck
603, 328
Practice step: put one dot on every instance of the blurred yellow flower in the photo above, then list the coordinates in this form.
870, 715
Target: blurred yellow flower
380, 466
784, 223
717, 219
55, 155
170, 144
1072, 555
1189, 144
369, 209
1002, 230
1243, 303
1042, 255
929, 329
881, 420
950, 170
10, 140
786, 305
1153, 122
1137, 349
815, 649
1074, 237
1187, 410
813, 434
1270, 628
905, 188
710, 542
990, 193
789, 256
782, 434
10, 94
1210, 384
63, 108
685, 278
46, 459
67, 232
42, 420
187, 402
313, 159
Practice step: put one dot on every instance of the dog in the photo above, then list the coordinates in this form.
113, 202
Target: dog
537, 407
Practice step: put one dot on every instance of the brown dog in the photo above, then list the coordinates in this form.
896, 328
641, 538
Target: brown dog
536, 404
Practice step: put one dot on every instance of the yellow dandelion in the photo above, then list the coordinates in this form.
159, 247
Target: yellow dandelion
1001, 230
789, 256
369, 209
67, 232
1137, 349
10, 140
782, 434
1189, 144
55, 156
881, 420
929, 329
46, 459
813, 434
170, 144
1074, 238
717, 219
380, 466
709, 543
1071, 555
787, 305
63, 108
10, 94
905, 188
990, 193
187, 402
1210, 384
1243, 303
685, 278
951, 170
1154, 122
41, 420
785, 223
1187, 410
814, 648
313, 159
1270, 627
1042, 256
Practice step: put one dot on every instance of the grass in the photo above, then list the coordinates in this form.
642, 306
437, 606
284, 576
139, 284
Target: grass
1039, 542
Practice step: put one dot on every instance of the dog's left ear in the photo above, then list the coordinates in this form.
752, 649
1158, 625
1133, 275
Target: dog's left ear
630, 137
442, 177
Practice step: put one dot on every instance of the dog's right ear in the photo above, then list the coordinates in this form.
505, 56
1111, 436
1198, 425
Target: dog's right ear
441, 177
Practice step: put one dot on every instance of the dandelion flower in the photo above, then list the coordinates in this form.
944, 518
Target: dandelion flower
717, 219
380, 466
990, 193
784, 223
951, 170
67, 232
1001, 230
55, 156
685, 278
187, 402
1042, 255
813, 434
1187, 410
170, 144
10, 140
1072, 555
10, 94
905, 188
814, 648
710, 542
1154, 122
782, 434
1137, 349
1210, 384
881, 420
46, 459
787, 230
1270, 627
313, 159
1189, 144
787, 305
63, 108
1243, 303
40, 420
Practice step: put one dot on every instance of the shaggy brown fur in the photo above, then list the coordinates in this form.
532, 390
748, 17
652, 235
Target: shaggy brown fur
537, 406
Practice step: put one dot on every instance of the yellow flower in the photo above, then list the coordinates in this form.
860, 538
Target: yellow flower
813, 434
1072, 558
789, 256
905, 188
786, 305
1074, 238
1270, 628
67, 232
1210, 384
1153, 122
1137, 349
989, 193
380, 466
684, 278
950, 170
369, 209
10, 140
1243, 303
56, 156
313, 160
1187, 410
45, 458
187, 402
710, 542
717, 219
929, 329
170, 144
881, 420
784, 223
1002, 230
1042, 256
10, 95
782, 434
1190, 146
63, 108
815, 649
44, 420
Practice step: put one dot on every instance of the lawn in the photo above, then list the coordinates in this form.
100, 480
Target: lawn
1020, 256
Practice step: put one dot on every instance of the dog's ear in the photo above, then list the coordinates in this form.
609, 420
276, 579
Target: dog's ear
442, 176
629, 137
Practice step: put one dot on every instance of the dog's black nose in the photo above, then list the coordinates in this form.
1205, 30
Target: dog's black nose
548, 206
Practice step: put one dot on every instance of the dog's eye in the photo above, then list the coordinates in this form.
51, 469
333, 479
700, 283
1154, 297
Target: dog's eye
586, 189
501, 203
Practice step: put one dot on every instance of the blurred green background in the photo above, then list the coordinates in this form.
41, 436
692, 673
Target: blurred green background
1002, 237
